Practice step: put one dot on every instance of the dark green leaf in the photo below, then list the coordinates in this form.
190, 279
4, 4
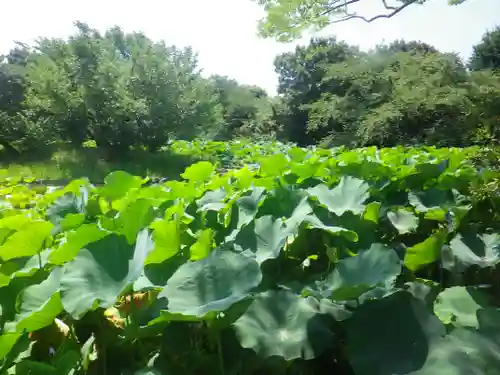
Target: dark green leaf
356, 275
100, 273
480, 250
212, 284
265, 238
391, 336
280, 323
349, 195
403, 220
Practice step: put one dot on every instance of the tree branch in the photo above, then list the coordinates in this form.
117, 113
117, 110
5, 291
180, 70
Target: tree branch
388, 6
395, 10
341, 5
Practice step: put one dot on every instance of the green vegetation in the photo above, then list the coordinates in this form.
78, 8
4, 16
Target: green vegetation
371, 261
120, 91
403, 93
128, 95
192, 225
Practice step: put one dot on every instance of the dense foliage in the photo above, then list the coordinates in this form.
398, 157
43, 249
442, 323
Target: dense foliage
119, 90
122, 91
309, 261
486, 54
401, 93
379, 256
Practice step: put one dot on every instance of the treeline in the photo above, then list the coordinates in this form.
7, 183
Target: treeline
119, 90
122, 91
401, 93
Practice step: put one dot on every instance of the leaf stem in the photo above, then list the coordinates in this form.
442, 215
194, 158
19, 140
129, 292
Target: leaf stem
219, 352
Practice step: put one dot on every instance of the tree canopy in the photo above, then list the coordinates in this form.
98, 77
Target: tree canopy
406, 92
486, 54
118, 89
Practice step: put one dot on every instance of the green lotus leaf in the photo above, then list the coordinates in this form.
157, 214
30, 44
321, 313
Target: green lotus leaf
166, 237
391, 336
358, 274
75, 241
479, 250
430, 200
27, 241
273, 165
31, 367
372, 212
72, 221
199, 172
265, 238
349, 195
426, 252
280, 323
426, 290
138, 215
14, 222
212, 284
7, 342
67, 362
101, 271
464, 351
314, 222
203, 245
67, 204
247, 207
436, 204
117, 184
38, 304
304, 214
459, 305
297, 154
404, 221
156, 275
182, 189
335, 310
299, 214
212, 200
4, 233
22, 267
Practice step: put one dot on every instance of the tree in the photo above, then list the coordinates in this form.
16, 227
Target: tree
12, 70
486, 54
246, 109
15, 129
385, 99
120, 90
286, 20
484, 93
427, 103
411, 47
301, 82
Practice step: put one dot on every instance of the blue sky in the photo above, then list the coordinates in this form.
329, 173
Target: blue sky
223, 32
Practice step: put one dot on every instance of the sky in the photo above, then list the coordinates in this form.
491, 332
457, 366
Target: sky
224, 32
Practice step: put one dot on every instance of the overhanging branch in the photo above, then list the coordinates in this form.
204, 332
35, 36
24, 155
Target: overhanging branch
341, 6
